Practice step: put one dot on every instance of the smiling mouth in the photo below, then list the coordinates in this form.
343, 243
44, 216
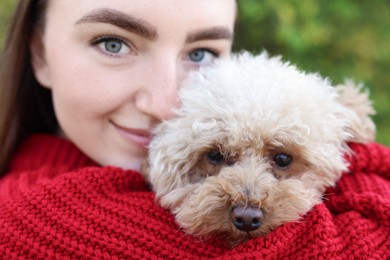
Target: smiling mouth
139, 137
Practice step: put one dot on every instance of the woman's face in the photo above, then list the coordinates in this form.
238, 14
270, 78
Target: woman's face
114, 66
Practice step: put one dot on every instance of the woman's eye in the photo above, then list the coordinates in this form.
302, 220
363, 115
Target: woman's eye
202, 56
111, 45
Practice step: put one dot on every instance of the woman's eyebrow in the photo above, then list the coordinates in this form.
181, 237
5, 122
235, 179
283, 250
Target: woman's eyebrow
121, 20
213, 33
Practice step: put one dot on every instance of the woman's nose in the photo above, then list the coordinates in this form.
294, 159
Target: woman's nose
158, 96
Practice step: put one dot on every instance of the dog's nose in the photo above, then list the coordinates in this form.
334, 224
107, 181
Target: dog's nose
247, 218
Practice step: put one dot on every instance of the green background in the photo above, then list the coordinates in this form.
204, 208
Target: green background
337, 38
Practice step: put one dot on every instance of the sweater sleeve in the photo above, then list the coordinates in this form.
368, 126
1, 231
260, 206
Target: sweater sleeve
106, 212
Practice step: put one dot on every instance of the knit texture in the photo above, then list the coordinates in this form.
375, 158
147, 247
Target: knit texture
56, 203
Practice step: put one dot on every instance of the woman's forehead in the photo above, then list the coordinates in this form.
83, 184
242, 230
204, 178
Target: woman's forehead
196, 14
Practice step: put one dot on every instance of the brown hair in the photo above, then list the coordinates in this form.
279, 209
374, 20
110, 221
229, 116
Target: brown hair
26, 107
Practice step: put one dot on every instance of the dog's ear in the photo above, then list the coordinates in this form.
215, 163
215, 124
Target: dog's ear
358, 111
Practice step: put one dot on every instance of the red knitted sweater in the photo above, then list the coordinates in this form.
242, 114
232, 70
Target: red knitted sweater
56, 203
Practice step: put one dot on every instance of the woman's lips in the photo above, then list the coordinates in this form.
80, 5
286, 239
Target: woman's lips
140, 137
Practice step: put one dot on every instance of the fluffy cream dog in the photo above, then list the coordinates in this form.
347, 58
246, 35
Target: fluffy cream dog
254, 145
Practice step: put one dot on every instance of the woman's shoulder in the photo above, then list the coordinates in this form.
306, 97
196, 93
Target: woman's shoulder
41, 150
44, 161
40, 158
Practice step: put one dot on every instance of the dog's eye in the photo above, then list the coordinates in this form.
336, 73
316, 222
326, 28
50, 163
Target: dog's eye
282, 160
215, 157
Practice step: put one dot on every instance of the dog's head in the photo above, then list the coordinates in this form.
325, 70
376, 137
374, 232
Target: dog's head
254, 145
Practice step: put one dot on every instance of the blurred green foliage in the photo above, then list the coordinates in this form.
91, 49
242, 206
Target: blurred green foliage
6, 7
337, 38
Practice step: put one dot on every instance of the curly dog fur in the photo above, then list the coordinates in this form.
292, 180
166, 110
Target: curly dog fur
254, 145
